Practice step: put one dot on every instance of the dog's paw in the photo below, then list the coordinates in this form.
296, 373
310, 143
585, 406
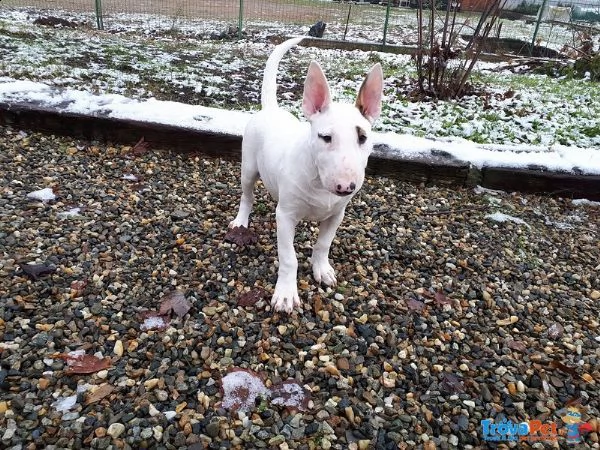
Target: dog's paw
285, 298
235, 223
324, 273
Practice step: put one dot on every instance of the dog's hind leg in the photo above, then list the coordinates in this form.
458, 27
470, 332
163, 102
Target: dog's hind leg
322, 270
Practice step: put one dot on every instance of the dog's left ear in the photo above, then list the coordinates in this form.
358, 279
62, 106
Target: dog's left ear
316, 91
368, 100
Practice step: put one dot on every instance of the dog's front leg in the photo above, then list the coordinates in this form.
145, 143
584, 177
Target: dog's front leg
285, 297
322, 270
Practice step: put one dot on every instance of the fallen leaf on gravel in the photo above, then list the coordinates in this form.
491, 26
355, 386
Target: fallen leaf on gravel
518, 346
82, 364
174, 302
252, 297
151, 320
140, 147
241, 236
291, 395
241, 388
35, 271
451, 384
414, 305
98, 394
441, 299
317, 303
556, 364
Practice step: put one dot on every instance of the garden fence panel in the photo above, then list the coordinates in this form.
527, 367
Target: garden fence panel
353, 21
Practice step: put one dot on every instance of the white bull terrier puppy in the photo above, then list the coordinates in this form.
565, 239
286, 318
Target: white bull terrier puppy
311, 169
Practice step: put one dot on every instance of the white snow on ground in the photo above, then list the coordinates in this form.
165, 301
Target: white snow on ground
64, 404
585, 202
44, 195
501, 217
554, 157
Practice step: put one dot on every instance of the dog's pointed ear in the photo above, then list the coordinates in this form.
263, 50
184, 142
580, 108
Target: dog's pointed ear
368, 100
316, 91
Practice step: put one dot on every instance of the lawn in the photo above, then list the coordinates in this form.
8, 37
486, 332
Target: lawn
184, 65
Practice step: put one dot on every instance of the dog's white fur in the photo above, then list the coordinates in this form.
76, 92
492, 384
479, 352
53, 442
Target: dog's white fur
312, 169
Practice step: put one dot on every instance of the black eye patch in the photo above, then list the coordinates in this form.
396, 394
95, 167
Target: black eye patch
325, 137
362, 136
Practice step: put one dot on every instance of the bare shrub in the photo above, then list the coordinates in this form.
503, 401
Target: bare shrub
444, 61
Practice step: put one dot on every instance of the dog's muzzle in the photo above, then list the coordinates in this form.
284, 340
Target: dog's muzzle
342, 191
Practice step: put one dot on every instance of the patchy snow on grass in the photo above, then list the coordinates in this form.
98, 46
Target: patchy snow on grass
556, 157
183, 77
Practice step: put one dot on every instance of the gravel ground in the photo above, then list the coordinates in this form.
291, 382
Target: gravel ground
443, 317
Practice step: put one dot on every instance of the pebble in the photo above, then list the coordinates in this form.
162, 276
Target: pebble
115, 430
118, 348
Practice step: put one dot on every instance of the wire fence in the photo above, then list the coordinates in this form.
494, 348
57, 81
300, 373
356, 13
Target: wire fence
544, 23
388, 22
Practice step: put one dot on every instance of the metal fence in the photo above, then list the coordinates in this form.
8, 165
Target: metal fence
385, 22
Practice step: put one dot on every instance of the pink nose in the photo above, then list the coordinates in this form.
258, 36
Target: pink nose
345, 189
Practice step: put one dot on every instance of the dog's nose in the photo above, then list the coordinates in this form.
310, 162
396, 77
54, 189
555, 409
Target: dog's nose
347, 190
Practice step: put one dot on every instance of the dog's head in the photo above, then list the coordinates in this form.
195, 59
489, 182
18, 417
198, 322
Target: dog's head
341, 133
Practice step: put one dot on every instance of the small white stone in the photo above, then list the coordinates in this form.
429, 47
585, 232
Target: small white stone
153, 411
118, 348
115, 429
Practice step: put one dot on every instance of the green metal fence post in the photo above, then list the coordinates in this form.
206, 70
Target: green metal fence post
99, 21
241, 19
537, 26
387, 19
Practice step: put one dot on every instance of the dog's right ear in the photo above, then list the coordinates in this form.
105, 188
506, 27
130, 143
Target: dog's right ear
316, 91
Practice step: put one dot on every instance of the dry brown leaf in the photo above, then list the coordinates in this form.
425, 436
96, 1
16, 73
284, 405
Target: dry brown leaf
140, 147
290, 395
317, 303
241, 388
415, 305
101, 392
252, 297
84, 364
35, 271
556, 364
518, 346
441, 299
174, 302
241, 236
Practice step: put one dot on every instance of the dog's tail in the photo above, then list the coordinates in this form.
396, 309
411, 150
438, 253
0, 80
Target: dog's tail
268, 95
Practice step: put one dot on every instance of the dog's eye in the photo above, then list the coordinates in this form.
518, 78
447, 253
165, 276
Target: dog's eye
362, 138
326, 138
